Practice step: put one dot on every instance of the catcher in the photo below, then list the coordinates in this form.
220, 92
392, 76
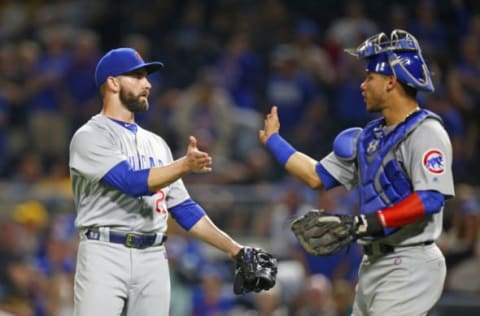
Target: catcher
401, 164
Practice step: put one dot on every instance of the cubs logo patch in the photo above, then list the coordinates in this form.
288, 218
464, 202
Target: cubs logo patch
434, 162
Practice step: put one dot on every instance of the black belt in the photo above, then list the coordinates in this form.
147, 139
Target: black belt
383, 249
131, 240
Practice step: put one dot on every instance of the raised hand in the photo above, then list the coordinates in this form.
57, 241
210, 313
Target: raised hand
271, 125
197, 161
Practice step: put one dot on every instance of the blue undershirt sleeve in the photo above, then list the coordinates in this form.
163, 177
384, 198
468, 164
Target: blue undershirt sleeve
327, 180
128, 181
432, 201
280, 148
187, 213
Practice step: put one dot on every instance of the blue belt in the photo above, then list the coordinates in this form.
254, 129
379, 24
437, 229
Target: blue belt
131, 240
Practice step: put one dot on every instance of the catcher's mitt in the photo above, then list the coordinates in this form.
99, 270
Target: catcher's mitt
255, 270
323, 234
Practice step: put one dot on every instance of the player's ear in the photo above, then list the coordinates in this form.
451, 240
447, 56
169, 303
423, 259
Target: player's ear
391, 83
113, 84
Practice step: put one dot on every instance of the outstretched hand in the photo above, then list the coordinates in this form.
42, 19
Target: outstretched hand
197, 161
271, 125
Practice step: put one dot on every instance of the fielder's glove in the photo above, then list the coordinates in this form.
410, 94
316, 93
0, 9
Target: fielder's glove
323, 234
255, 270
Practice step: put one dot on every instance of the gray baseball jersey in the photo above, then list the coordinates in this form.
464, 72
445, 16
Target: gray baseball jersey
110, 278
409, 280
95, 149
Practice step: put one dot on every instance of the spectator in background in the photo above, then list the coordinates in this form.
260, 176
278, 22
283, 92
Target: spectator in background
31, 219
463, 85
271, 25
397, 17
206, 109
429, 30
290, 203
56, 263
4, 148
13, 19
239, 71
292, 90
25, 176
188, 44
459, 241
213, 296
270, 303
15, 75
343, 293
164, 106
347, 99
310, 56
80, 95
47, 108
316, 299
350, 29
185, 258
20, 288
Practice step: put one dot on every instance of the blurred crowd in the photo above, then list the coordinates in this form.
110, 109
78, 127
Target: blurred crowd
226, 62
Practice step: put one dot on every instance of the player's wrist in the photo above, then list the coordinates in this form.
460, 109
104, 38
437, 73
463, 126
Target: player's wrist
280, 148
367, 224
235, 250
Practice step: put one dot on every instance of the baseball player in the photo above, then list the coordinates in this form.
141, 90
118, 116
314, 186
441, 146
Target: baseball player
401, 163
125, 184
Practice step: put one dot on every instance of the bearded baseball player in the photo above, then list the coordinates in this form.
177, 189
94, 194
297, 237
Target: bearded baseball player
401, 163
125, 185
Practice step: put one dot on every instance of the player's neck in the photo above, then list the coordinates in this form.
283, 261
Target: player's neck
118, 113
396, 115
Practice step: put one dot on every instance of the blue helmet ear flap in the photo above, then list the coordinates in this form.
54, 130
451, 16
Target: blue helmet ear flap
411, 69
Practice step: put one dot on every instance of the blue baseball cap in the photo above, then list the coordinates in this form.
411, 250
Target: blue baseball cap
120, 61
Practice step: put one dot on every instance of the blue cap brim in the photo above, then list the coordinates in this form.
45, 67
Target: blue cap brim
149, 67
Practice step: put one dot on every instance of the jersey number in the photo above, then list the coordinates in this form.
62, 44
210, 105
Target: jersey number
160, 202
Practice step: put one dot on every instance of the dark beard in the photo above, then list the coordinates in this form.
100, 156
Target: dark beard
133, 102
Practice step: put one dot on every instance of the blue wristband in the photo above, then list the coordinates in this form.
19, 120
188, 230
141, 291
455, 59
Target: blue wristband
280, 148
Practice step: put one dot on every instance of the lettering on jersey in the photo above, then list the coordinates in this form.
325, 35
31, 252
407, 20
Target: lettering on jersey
143, 162
433, 161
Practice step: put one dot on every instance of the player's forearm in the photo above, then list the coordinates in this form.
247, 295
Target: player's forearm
160, 177
411, 209
303, 167
208, 232
295, 162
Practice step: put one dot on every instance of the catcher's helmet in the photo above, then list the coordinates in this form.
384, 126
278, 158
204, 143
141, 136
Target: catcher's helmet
400, 55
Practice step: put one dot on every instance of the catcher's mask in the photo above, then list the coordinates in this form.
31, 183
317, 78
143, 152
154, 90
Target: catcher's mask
400, 55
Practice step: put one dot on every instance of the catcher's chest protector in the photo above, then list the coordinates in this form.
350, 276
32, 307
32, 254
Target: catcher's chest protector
382, 180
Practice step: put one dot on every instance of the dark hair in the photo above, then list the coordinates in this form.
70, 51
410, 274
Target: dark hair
410, 91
